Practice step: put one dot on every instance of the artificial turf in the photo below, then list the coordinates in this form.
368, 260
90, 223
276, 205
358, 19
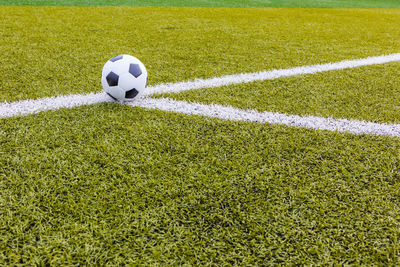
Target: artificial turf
111, 184
214, 3
370, 93
49, 51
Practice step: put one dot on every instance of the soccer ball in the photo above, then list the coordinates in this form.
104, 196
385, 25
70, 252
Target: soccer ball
124, 77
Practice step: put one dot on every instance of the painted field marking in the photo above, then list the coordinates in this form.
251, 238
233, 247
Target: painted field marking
236, 114
26, 107
268, 75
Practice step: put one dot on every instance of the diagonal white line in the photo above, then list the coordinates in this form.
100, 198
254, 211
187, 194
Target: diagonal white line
236, 114
268, 75
213, 111
342, 125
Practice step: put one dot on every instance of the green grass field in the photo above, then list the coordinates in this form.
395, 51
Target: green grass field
108, 184
214, 3
45, 59
111, 184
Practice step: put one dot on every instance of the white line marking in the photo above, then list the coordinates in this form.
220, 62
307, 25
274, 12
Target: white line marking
26, 107
268, 75
229, 113
236, 114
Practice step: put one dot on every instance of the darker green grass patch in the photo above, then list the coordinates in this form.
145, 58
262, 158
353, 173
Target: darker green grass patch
111, 184
213, 3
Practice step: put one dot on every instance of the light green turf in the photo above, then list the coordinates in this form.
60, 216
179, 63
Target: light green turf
110, 184
213, 3
49, 51
369, 93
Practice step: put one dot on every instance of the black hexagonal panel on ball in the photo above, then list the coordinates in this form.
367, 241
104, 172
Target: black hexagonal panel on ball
135, 70
131, 93
112, 79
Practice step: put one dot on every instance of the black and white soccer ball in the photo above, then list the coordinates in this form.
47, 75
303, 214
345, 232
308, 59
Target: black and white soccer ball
124, 77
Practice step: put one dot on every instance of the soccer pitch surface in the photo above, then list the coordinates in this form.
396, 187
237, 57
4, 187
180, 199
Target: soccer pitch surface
137, 184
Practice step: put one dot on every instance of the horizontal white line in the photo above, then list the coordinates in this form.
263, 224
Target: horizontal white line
268, 75
26, 107
235, 114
